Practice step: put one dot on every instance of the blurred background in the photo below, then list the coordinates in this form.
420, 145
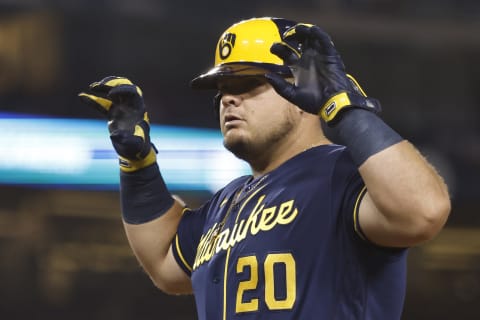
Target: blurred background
63, 253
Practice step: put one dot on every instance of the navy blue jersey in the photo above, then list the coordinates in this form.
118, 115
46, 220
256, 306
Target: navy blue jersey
288, 246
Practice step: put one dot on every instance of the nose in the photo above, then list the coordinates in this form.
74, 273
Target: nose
230, 100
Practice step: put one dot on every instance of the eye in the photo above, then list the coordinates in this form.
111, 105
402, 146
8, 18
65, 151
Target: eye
240, 85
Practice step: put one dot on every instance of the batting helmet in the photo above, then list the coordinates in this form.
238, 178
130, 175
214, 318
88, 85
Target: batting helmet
244, 50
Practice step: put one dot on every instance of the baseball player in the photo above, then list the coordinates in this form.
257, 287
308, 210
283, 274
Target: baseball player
321, 227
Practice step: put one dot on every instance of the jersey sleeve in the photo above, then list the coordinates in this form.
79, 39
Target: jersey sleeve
192, 225
348, 183
353, 187
184, 245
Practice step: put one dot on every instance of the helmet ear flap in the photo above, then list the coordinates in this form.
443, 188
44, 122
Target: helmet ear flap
216, 105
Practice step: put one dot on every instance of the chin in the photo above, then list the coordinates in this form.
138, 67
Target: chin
238, 147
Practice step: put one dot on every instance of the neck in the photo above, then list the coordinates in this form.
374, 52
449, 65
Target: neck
275, 155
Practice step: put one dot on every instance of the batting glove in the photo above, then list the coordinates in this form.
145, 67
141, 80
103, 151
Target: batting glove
321, 84
122, 103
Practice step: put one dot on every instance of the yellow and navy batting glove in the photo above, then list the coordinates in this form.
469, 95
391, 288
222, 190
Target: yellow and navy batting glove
321, 84
122, 103
323, 87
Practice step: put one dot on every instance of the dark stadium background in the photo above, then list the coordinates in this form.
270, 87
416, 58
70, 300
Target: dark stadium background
63, 254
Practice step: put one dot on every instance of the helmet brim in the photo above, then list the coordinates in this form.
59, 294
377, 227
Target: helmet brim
208, 80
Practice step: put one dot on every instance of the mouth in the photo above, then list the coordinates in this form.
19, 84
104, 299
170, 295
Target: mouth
231, 120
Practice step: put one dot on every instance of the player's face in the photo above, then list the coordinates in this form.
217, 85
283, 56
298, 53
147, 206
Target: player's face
253, 117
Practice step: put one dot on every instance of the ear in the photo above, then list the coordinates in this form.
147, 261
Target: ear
216, 105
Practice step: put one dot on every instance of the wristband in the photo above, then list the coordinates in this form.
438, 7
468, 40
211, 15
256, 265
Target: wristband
363, 133
143, 195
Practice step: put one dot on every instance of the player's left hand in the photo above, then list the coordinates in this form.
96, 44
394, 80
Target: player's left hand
321, 85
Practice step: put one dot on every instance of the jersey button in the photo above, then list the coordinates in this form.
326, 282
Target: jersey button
216, 280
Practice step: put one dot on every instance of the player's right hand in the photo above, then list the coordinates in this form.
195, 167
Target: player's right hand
122, 103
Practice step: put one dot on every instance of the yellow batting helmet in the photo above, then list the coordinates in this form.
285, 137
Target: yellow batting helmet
244, 50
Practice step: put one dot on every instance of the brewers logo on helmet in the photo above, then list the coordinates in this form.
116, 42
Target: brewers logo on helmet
244, 50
